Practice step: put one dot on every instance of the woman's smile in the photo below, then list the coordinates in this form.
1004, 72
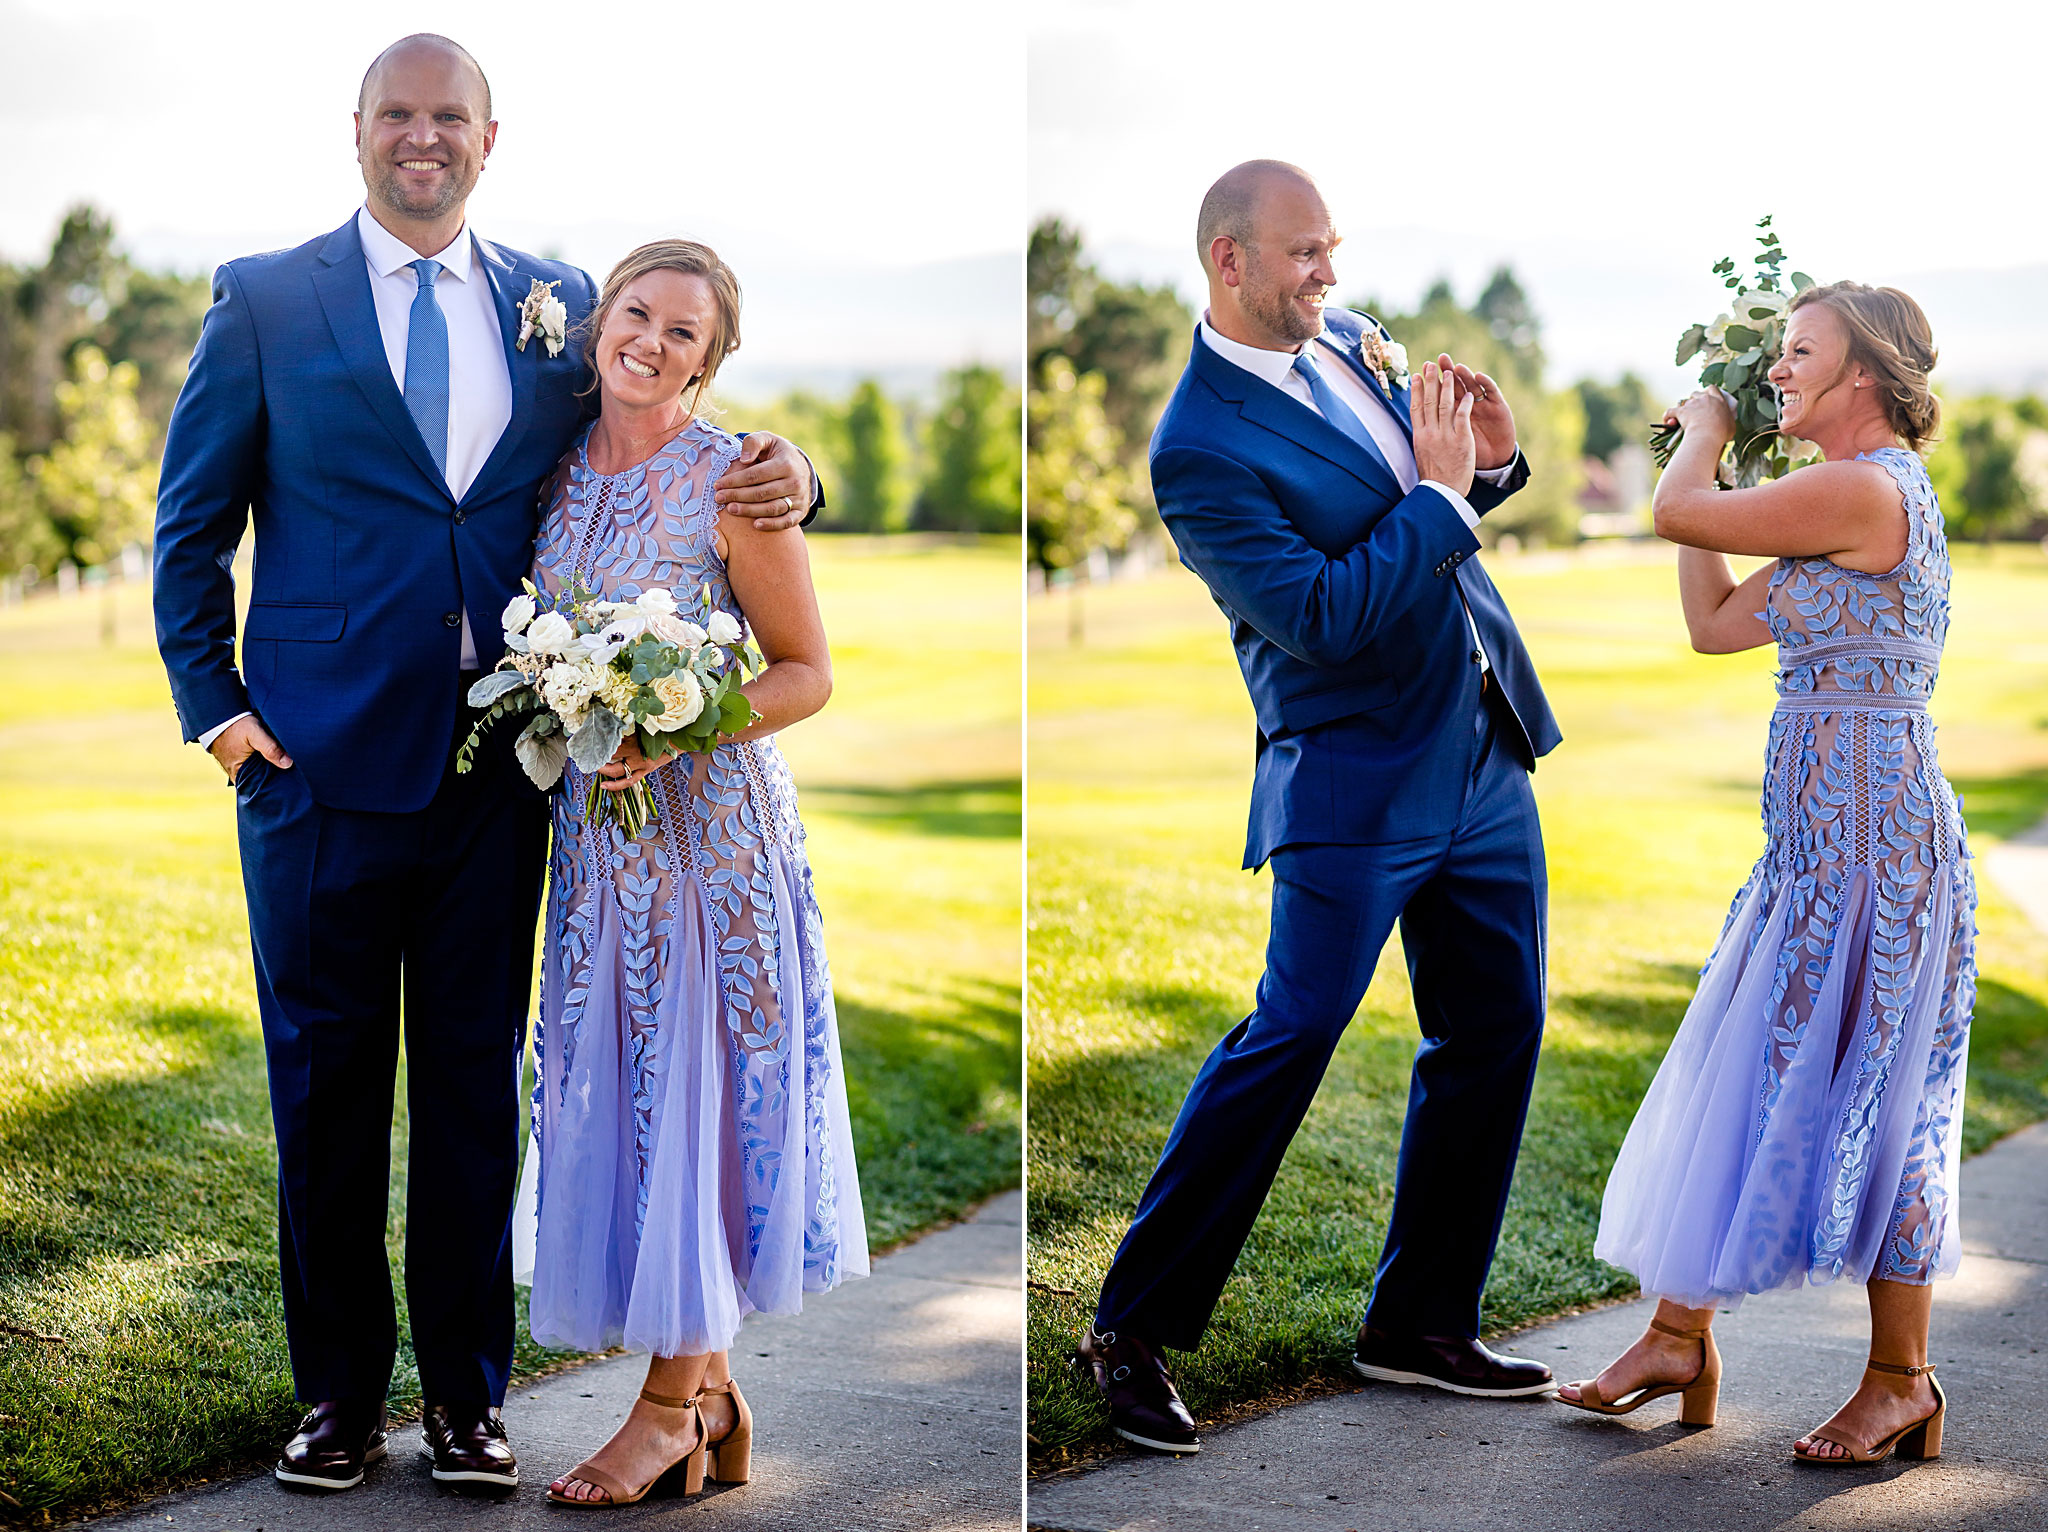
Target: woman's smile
638, 368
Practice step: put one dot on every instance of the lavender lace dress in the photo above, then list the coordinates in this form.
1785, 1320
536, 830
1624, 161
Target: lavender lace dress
1806, 1124
691, 1159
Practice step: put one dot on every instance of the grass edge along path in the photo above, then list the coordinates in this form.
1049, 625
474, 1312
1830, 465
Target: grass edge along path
137, 1190
1145, 942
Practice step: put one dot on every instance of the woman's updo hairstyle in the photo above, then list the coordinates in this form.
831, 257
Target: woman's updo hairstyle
1890, 339
691, 259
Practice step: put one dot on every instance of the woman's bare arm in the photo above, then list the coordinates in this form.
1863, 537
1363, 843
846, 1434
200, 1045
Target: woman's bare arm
771, 577
1850, 511
1720, 614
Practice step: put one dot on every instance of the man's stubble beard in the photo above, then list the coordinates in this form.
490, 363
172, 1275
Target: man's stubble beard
1274, 309
386, 191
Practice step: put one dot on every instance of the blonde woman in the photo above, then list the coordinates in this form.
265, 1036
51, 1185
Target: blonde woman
1806, 1123
691, 1156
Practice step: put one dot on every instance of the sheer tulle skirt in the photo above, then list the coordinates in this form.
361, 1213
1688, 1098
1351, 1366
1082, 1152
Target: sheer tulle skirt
1773, 1151
642, 1220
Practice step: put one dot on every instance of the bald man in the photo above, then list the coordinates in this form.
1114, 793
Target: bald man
366, 399
1330, 504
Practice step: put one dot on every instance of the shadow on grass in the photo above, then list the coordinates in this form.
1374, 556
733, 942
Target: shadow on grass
937, 1120
990, 809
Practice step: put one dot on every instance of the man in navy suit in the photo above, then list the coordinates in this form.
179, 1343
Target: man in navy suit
1330, 508
367, 398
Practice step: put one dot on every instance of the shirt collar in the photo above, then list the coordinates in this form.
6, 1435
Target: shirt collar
1272, 366
388, 254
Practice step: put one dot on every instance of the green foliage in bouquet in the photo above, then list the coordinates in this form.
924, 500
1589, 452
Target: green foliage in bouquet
1741, 347
593, 672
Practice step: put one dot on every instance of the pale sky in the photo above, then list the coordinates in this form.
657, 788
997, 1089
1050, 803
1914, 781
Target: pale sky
1611, 151
861, 166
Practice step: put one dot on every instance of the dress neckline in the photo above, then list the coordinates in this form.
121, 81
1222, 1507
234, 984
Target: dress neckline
583, 450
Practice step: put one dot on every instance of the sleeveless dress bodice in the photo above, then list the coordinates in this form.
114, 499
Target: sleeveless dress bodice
1806, 1124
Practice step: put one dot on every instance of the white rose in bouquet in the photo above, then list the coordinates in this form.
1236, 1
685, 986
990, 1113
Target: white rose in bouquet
518, 613
551, 633
722, 628
679, 631
682, 699
657, 603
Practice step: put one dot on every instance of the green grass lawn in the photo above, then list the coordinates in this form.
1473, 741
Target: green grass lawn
1145, 941
137, 1190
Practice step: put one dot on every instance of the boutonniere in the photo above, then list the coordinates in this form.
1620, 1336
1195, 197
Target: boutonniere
1385, 359
545, 314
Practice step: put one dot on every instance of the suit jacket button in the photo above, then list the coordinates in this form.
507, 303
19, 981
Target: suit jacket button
461, 517
451, 619
1478, 658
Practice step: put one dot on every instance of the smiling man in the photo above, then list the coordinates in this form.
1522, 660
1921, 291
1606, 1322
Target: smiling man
368, 399
1330, 505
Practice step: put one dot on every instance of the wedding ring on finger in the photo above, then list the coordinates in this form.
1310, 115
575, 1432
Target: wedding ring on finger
788, 505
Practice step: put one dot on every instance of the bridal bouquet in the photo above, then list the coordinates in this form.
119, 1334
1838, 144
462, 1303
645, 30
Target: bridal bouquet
1741, 347
591, 672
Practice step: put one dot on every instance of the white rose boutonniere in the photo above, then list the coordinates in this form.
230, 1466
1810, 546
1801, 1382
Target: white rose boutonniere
545, 315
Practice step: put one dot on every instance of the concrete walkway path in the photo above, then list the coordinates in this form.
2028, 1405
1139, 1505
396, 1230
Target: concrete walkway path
891, 1403
1413, 1458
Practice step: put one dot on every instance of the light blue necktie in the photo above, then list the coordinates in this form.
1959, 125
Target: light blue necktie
426, 365
1340, 414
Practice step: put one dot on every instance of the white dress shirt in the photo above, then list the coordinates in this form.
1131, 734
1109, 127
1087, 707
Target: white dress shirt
479, 381
1277, 368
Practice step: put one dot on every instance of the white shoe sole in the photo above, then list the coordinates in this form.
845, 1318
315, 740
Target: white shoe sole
316, 1481
470, 1475
1178, 1449
1390, 1375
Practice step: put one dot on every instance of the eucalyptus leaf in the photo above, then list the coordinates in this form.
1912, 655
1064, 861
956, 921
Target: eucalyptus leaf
490, 688
1801, 281
541, 751
1734, 375
1740, 337
597, 741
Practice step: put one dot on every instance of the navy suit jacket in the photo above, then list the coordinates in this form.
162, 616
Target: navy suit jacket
1343, 600
364, 560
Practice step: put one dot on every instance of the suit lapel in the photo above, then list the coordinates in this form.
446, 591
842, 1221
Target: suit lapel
1395, 399
1264, 405
1267, 406
342, 283
508, 291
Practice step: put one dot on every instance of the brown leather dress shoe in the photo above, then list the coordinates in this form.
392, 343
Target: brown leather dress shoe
468, 1445
1456, 1363
334, 1441
1144, 1406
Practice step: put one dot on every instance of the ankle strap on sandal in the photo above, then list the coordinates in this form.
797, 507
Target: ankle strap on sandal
1893, 1367
716, 1388
1658, 1324
670, 1401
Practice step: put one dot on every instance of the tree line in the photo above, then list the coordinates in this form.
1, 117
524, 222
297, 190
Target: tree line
93, 350
1102, 357
903, 464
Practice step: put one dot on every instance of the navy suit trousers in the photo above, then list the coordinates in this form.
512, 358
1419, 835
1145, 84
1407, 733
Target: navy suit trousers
1472, 909
353, 916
